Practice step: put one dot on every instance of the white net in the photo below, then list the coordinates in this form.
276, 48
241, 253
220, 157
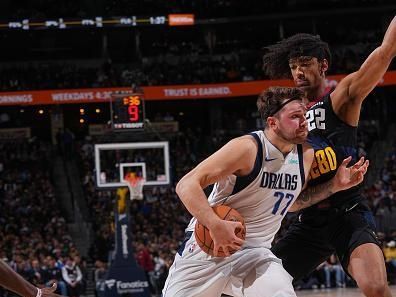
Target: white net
135, 185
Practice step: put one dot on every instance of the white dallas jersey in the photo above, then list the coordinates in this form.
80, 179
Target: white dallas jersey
264, 196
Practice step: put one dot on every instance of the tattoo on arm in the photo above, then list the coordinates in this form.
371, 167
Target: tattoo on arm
315, 194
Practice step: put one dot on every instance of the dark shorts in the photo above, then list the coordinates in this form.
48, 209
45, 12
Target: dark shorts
318, 234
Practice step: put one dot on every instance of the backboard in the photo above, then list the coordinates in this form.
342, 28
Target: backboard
113, 161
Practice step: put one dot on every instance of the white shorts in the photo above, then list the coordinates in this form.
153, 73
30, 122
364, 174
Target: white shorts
249, 272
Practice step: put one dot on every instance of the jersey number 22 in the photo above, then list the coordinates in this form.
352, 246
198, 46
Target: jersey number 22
316, 119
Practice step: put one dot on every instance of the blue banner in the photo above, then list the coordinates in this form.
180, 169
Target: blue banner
125, 277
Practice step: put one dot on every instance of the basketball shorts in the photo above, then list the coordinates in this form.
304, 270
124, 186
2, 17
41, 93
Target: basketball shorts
250, 272
316, 235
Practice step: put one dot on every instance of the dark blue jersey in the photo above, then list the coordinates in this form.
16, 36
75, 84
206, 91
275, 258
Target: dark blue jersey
333, 141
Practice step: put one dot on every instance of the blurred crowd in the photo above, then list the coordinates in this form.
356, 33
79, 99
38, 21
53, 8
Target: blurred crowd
34, 237
171, 67
170, 56
382, 195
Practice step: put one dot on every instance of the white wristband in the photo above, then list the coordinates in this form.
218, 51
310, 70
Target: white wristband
39, 292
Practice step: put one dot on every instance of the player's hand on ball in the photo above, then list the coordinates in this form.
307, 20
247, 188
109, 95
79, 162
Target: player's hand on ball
348, 177
224, 236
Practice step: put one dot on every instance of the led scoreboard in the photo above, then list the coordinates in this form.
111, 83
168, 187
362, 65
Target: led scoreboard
128, 111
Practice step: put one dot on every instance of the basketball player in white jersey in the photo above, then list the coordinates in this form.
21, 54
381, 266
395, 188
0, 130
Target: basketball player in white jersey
261, 176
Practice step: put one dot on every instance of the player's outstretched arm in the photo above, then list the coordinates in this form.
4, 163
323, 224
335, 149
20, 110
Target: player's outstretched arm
236, 157
12, 281
353, 89
345, 178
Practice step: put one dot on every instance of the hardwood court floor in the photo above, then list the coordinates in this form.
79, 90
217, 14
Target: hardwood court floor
344, 292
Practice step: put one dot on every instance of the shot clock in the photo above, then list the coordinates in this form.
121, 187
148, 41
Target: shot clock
128, 111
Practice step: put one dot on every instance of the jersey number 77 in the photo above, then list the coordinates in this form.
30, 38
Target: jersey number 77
281, 196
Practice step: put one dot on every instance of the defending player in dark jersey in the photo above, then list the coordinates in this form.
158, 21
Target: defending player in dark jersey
343, 223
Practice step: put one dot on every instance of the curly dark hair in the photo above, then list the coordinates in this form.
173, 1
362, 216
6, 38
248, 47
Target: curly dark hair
271, 100
277, 56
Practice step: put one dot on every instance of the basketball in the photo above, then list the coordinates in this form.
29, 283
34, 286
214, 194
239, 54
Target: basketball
202, 234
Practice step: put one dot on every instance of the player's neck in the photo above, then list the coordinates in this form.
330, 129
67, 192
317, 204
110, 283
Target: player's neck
315, 94
279, 142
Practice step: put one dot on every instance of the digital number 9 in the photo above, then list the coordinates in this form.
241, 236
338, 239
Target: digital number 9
133, 111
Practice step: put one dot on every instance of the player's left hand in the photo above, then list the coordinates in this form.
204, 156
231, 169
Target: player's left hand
348, 177
49, 292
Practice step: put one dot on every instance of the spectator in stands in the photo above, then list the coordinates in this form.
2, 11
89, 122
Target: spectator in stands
38, 274
390, 255
159, 274
314, 280
55, 275
82, 264
144, 259
100, 277
333, 267
72, 275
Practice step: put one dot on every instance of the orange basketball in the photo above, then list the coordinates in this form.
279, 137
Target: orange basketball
202, 235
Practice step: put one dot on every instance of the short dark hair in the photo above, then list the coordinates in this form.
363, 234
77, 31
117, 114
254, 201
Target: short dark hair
270, 100
277, 56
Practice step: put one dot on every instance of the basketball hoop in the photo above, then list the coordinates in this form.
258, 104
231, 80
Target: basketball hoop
135, 185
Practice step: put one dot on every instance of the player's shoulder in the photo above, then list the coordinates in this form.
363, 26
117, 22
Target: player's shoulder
246, 143
323, 102
308, 152
306, 147
308, 157
248, 140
